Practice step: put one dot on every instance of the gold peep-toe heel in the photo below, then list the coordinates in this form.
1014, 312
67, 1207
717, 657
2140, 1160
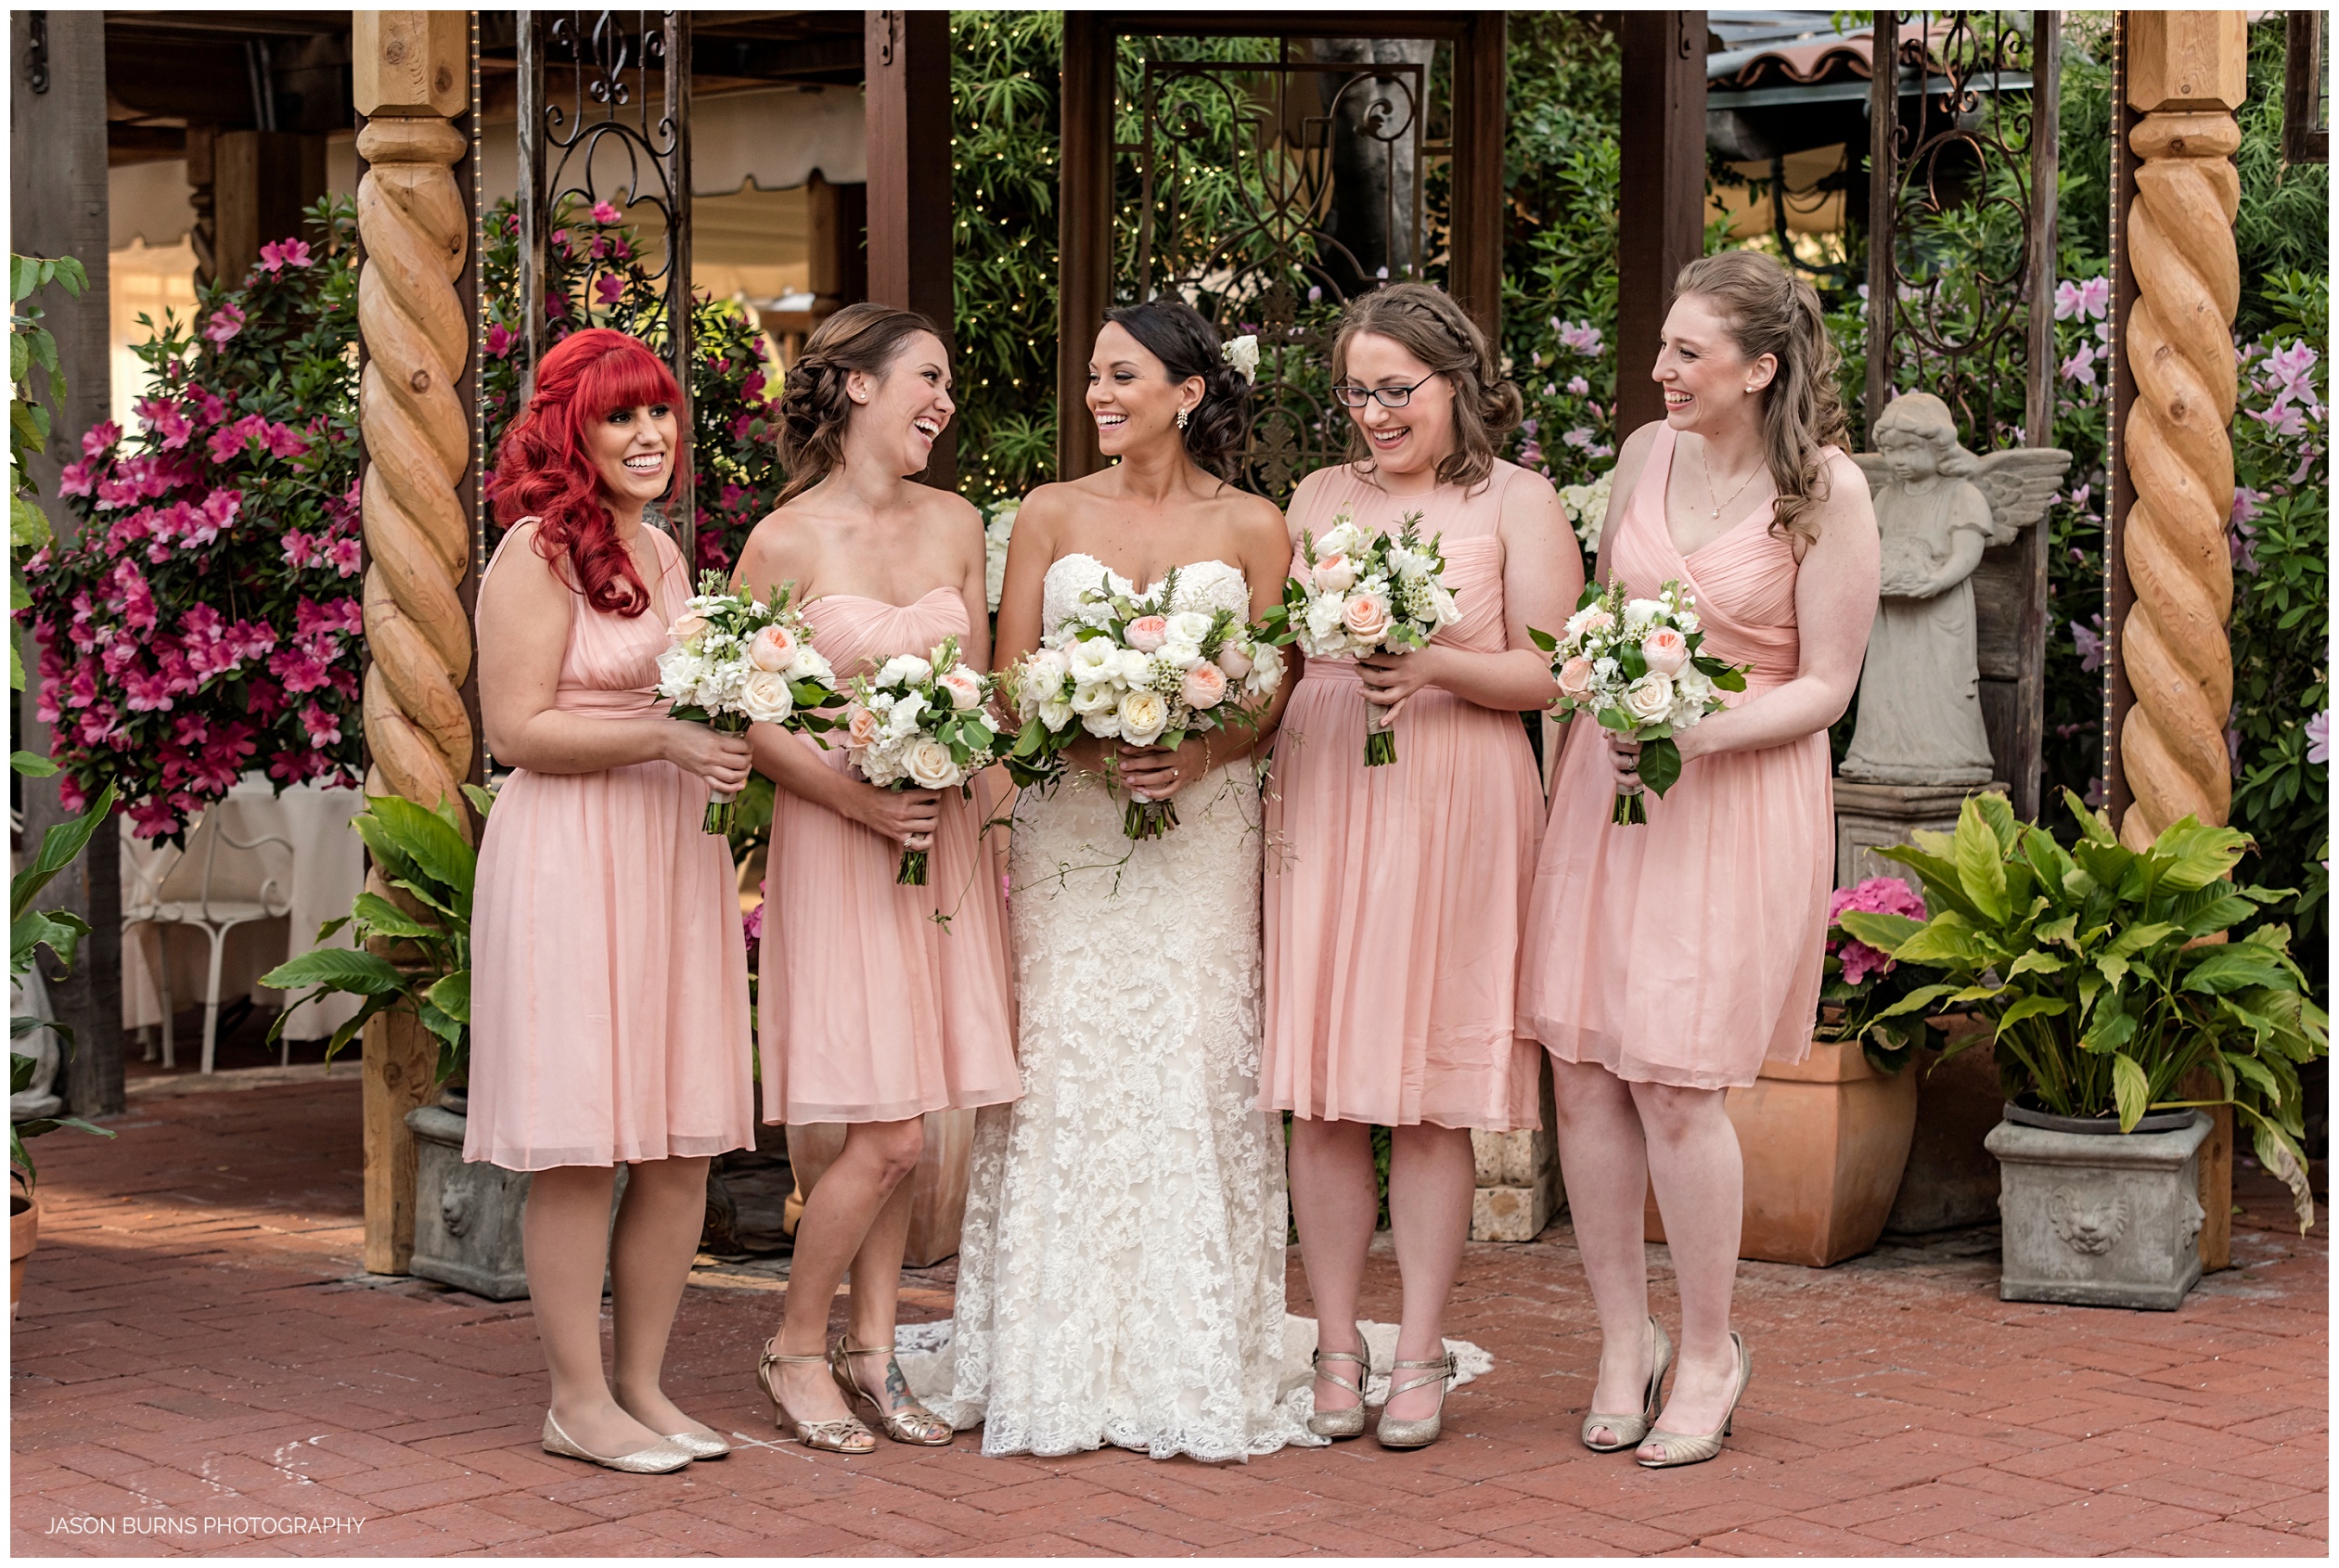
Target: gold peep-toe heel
1630, 1429
1351, 1422
912, 1422
1395, 1433
1692, 1448
662, 1457
847, 1436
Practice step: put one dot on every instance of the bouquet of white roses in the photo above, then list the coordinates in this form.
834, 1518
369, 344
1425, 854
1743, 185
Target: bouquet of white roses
1363, 592
922, 724
1137, 671
1634, 665
737, 660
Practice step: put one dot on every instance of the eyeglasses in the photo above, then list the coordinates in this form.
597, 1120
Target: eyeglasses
1354, 396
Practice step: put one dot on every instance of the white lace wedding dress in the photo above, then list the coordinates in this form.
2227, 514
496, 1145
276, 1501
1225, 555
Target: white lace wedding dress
1121, 1267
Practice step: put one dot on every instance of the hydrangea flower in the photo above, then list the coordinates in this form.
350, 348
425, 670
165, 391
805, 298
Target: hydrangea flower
1882, 895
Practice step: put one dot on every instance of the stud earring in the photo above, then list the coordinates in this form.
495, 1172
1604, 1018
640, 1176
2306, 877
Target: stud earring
1181, 418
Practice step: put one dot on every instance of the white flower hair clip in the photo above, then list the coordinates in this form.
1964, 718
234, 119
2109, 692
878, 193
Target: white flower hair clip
1243, 354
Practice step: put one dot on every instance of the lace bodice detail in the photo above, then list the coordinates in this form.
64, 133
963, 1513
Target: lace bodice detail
1206, 586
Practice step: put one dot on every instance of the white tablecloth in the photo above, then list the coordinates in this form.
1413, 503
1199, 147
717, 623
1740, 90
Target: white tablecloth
327, 873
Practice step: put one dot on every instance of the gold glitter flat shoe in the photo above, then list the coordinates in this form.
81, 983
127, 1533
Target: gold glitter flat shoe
662, 1457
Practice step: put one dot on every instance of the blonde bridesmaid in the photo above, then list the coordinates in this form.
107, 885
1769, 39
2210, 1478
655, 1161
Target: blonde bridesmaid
1396, 894
1664, 963
609, 1008
880, 1002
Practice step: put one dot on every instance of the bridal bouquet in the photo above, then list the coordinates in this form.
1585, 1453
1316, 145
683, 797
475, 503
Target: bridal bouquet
922, 724
1634, 665
737, 660
1364, 592
1137, 671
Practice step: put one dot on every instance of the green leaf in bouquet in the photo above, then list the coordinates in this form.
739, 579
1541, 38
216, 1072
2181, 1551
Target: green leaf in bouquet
1543, 639
1629, 660
1659, 764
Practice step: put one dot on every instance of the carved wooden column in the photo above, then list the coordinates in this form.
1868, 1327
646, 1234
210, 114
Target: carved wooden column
412, 76
2186, 75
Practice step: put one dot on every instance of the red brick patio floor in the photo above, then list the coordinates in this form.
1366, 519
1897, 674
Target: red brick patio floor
196, 1344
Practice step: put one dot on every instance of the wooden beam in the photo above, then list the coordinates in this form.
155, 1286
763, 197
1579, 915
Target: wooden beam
1475, 275
1083, 232
907, 57
58, 206
1660, 223
413, 76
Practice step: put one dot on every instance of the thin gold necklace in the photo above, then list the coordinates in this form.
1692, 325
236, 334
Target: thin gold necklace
1706, 468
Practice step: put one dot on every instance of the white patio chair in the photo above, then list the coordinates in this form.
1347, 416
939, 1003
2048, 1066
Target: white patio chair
214, 892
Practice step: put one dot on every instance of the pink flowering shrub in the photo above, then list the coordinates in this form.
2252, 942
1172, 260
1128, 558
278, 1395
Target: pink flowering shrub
207, 620
1880, 896
595, 276
1862, 983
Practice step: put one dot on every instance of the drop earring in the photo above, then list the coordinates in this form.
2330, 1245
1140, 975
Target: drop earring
1181, 418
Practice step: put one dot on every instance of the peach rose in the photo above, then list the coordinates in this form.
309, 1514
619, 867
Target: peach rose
1575, 676
964, 686
689, 626
1366, 617
1334, 575
1205, 687
774, 649
1664, 650
862, 726
1234, 662
1147, 633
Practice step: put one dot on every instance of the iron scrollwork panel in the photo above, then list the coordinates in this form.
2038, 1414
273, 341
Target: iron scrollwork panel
1267, 194
604, 117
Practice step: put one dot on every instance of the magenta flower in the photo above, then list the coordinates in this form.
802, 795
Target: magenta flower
99, 439
2319, 739
346, 554
165, 418
605, 213
225, 322
283, 253
499, 342
1880, 896
77, 479
609, 289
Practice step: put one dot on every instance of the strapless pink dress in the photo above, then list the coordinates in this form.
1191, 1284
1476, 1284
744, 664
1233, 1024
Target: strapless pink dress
1687, 950
873, 1010
1396, 894
609, 974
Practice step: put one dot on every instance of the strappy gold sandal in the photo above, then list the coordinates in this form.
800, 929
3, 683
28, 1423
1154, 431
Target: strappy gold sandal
847, 1436
1351, 1422
1695, 1448
1395, 1433
1630, 1429
910, 1422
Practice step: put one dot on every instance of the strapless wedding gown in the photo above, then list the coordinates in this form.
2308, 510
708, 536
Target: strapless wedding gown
1121, 1267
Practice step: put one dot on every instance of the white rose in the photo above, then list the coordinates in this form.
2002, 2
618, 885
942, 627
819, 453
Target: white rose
905, 669
906, 711
764, 697
1097, 697
1055, 715
1344, 537
809, 666
1091, 661
1639, 613
1648, 699
1177, 655
1442, 603
1130, 667
1188, 625
1243, 354
1104, 726
1266, 676
1234, 657
930, 766
1144, 714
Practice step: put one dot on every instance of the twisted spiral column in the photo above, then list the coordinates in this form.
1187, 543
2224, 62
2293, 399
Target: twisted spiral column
418, 445
2179, 347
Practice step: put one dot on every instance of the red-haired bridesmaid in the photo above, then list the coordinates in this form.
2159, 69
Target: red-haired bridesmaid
609, 1020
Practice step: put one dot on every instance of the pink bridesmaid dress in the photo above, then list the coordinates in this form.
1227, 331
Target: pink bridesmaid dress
609, 974
1687, 950
1396, 894
873, 1009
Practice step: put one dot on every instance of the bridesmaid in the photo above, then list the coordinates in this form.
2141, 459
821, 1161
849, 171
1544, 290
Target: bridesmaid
610, 998
880, 1002
1396, 894
1664, 963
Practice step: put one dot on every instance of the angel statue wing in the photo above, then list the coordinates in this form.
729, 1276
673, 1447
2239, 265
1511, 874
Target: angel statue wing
1877, 466
2020, 485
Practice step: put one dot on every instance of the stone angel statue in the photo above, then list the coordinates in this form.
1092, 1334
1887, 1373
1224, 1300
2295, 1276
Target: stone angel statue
1938, 507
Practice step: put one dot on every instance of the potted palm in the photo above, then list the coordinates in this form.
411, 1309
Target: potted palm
415, 956
2113, 993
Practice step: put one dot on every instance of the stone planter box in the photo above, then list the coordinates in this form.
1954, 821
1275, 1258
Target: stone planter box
1825, 1142
2097, 1219
467, 1223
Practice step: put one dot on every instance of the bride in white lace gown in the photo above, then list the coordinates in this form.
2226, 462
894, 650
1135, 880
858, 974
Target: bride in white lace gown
1121, 1267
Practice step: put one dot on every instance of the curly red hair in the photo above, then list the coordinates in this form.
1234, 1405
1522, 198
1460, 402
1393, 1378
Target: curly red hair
544, 468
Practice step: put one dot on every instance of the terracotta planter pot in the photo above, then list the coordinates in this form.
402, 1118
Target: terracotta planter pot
24, 1230
1825, 1142
938, 1189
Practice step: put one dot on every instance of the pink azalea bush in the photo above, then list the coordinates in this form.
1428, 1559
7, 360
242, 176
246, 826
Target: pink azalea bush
207, 620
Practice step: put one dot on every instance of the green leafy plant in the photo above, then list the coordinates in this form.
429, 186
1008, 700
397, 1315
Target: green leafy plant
60, 931
428, 969
1862, 989
2102, 969
30, 348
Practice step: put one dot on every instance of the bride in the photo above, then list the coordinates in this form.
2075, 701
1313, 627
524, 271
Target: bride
1121, 1271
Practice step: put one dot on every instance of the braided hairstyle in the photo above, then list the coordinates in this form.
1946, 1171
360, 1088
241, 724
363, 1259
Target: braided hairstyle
1176, 333
814, 407
1428, 325
543, 467
1769, 310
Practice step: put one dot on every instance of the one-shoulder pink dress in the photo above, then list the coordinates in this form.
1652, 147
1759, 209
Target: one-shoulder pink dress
609, 973
1687, 950
1396, 894
873, 1009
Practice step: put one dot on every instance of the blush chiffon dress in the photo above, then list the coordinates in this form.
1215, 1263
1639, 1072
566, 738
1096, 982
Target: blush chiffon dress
1687, 950
609, 992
